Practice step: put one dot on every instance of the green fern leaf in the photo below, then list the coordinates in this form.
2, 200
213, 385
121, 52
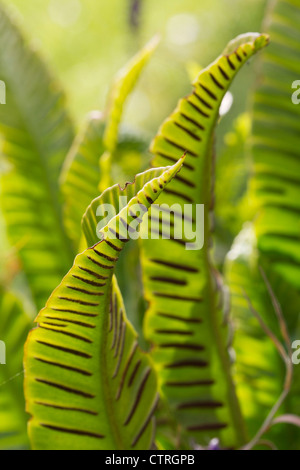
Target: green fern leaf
37, 134
185, 322
107, 394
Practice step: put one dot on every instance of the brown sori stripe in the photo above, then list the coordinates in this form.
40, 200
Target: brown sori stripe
216, 82
66, 408
289, 153
115, 321
76, 432
159, 218
180, 195
103, 266
200, 404
209, 92
103, 255
188, 131
223, 72
174, 144
143, 209
122, 328
67, 350
145, 425
286, 179
87, 281
238, 56
77, 301
65, 389
135, 346
73, 322
149, 199
135, 217
66, 333
185, 181
283, 207
110, 316
161, 221
171, 316
199, 110
208, 427
168, 237
114, 247
121, 351
173, 159
175, 214
206, 104
63, 366
138, 397
231, 65
271, 189
187, 363
192, 121
92, 273
133, 375
118, 236
168, 280
74, 312
195, 383
84, 291
180, 267
177, 297
52, 324
174, 332
188, 347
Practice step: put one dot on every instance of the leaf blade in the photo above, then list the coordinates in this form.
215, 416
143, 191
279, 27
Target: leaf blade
37, 132
91, 406
186, 326
14, 328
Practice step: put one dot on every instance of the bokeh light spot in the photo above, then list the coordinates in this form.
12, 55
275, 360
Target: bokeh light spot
183, 29
226, 103
64, 13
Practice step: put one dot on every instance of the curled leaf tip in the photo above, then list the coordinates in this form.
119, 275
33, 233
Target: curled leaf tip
256, 40
262, 41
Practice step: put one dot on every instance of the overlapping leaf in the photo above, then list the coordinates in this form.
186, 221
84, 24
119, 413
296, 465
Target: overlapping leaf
14, 327
81, 174
88, 385
89, 165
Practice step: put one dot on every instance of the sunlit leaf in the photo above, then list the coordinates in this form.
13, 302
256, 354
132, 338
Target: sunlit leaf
89, 167
185, 321
107, 394
14, 327
123, 86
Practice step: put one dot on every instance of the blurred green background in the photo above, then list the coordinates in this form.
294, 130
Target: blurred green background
86, 43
